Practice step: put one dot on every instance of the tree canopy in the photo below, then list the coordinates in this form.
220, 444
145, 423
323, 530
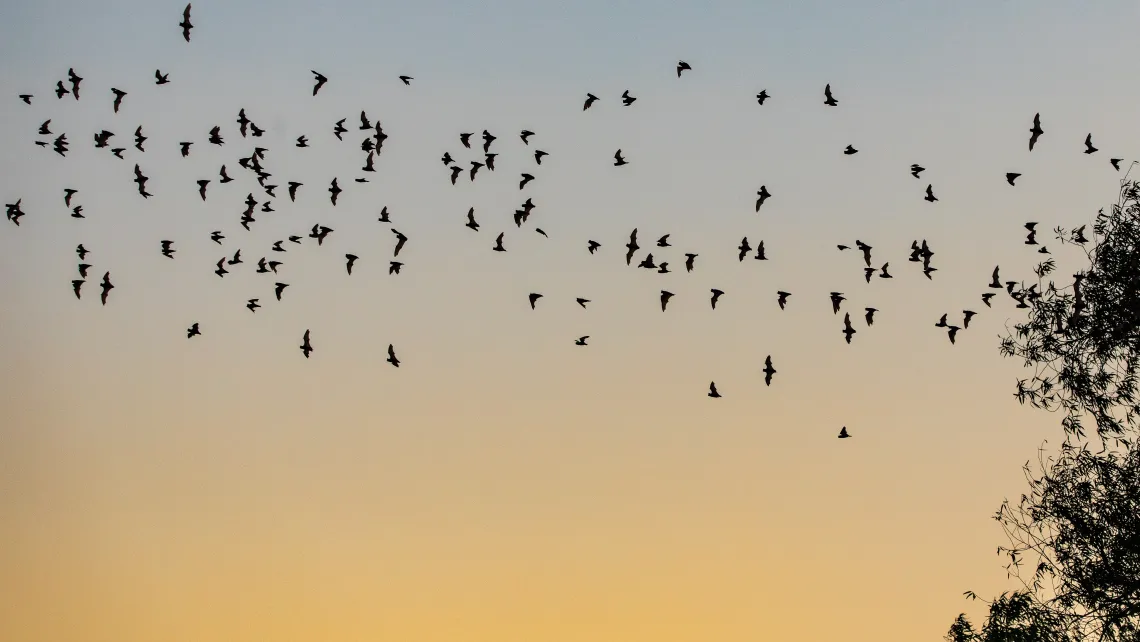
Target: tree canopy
1074, 538
1083, 339
1077, 533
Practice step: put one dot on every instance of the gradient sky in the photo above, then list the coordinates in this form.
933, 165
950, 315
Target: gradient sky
503, 484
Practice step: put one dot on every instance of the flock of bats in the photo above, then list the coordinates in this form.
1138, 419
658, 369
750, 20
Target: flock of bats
920, 251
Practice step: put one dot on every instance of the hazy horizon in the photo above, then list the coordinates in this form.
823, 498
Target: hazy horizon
504, 484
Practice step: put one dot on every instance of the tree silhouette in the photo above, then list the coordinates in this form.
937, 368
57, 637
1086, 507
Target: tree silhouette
1078, 529
1083, 339
1014, 617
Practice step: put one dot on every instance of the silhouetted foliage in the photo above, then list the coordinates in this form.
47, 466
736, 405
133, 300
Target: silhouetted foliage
1014, 617
1079, 531
1074, 539
1083, 339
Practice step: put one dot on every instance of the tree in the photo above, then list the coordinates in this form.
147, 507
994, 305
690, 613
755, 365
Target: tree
1013, 617
1078, 528
1079, 531
1083, 339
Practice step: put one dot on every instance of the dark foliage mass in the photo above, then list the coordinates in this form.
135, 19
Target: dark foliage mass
1012, 618
1083, 339
1077, 532
1074, 539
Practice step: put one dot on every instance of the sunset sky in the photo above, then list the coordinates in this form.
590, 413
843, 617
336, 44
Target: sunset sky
504, 484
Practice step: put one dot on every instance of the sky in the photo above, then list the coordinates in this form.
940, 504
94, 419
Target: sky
503, 483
